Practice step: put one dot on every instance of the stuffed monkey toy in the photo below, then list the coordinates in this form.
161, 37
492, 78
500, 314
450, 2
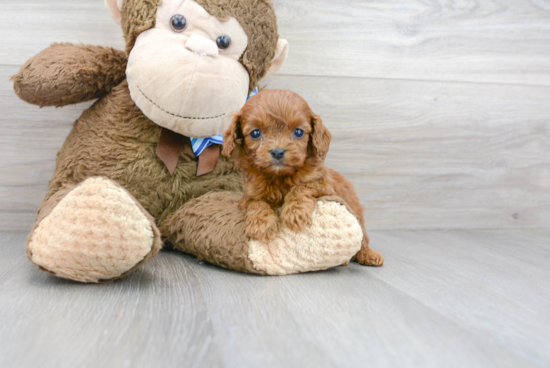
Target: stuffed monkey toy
142, 165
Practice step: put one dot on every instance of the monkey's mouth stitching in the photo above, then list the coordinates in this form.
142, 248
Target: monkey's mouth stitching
176, 115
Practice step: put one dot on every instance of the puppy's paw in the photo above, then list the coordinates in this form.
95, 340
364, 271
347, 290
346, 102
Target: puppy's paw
296, 216
262, 229
369, 257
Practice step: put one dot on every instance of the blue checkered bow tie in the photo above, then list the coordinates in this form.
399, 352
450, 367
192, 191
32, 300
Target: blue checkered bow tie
171, 143
200, 144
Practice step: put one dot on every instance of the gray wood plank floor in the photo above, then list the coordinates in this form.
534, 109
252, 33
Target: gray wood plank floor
444, 299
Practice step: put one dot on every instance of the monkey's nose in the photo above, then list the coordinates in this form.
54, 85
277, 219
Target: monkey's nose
277, 153
202, 46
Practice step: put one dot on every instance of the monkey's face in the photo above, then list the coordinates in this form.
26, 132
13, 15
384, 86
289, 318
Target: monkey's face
185, 74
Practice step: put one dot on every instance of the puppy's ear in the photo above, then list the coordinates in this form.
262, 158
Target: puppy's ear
232, 136
320, 136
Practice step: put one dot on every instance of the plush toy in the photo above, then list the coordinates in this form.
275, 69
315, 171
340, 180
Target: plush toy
142, 165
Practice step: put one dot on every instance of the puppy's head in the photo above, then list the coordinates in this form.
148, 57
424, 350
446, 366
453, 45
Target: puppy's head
277, 133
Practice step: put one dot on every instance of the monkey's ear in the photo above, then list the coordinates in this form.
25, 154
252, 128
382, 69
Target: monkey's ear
320, 137
114, 7
232, 136
280, 57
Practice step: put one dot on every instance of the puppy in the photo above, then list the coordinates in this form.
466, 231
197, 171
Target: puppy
281, 146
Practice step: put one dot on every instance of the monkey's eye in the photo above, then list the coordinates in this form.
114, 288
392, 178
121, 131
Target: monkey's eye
223, 42
299, 133
178, 23
255, 134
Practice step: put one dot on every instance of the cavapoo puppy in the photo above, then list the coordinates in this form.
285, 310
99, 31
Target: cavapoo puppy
281, 146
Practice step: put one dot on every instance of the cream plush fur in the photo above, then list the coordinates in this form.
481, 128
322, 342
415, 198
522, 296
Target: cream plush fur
97, 232
319, 247
114, 6
280, 56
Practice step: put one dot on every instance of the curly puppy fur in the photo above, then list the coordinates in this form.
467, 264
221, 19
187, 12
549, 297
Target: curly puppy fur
257, 17
284, 167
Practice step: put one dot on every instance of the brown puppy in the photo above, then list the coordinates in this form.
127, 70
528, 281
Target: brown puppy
281, 146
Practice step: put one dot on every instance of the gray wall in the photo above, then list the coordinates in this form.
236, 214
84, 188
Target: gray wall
440, 110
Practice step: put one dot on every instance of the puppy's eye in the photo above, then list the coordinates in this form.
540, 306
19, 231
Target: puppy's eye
178, 23
299, 133
223, 42
255, 134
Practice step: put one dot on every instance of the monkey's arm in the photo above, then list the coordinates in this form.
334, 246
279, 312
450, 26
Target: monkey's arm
65, 74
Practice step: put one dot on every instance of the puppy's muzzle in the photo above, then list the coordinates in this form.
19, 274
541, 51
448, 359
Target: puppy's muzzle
277, 153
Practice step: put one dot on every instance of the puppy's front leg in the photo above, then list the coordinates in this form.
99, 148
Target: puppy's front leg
297, 210
262, 223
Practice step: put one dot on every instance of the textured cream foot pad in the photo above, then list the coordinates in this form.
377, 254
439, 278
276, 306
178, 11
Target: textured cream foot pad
332, 239
97, 232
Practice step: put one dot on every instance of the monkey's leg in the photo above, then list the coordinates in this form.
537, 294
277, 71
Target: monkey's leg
65, 74
213, 228
92, 232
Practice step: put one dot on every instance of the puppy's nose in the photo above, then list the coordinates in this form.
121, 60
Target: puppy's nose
278, 153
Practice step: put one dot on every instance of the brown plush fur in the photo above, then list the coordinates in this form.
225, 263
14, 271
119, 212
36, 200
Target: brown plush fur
257, 17
114, 139
259, 22
204, 223
292, 183
48, 79
137, 16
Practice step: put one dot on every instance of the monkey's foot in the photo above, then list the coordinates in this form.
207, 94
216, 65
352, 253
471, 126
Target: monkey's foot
332, 239
97, 233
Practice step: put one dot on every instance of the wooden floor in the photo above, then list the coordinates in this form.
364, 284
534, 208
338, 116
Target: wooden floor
444, 299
